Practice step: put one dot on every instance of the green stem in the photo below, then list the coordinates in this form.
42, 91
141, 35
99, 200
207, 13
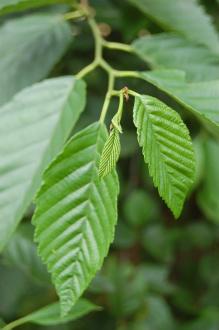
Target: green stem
129, 74
73, 15
87, 69
120, 109
108, 97
117, 46
97, 38
99, 61
106, 66
133, 93
15, 324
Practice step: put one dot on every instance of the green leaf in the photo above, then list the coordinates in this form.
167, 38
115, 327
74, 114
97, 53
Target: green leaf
186, 17
167, 149
76, 214
169, 51
30, 47
110, 153
50, 315
140, 208
22, 253
2, 323
208, 196
33, 127
200, 98
10, 6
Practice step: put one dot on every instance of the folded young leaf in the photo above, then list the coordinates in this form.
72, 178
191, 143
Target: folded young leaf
171, 51
201, 98
11, 6
167, 149
76, 213
33, 128
185, 17
30, 47
110, 153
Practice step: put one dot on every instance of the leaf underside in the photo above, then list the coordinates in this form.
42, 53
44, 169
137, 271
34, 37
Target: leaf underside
33, 128
76, 213
30, 46
10, 6
187, 18
110, 153
201, 98
167, 150
171, 51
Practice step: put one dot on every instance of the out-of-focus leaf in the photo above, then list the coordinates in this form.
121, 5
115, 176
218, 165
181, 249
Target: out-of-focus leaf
124, 275
33, 127
170, 51
21, 252
11, 6
198, 235
209, 320
13, 287
157, 243
167, 149
159, 316
129, 144
156, 315
2, 323
125, 236
208, 197
76, 213
209, 270
140, 207
186, 17
101, 284
201, 98
30, 47
198, 144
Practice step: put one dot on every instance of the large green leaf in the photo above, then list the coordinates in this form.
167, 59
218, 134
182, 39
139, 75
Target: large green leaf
50, 315
167, 149
208, 196
170, 51
10, 6
30, 47
33, 127
201, 98
185, 17
76, 214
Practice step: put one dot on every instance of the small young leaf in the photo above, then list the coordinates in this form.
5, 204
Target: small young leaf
167, 149
110, 153
76, 213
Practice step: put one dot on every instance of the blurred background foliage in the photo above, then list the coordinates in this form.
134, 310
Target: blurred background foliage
160, 274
